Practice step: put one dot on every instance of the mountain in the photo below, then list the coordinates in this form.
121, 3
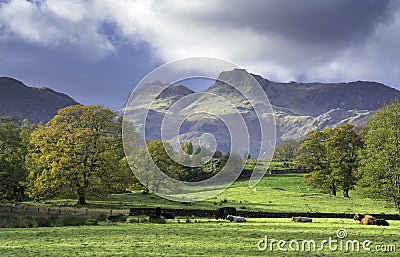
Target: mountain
298, 107
302, 107
33, 104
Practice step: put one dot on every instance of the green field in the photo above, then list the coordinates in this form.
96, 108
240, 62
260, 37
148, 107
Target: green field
208, 237
274, 193
201, 237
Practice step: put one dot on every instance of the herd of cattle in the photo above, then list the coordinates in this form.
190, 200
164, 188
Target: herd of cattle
230, 214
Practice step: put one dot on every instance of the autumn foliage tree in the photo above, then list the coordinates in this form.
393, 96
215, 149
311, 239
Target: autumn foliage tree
342, 155
332, 157
311, 155
78, 153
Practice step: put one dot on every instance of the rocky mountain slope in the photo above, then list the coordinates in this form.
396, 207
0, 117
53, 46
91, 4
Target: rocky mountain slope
34, 104
298, 107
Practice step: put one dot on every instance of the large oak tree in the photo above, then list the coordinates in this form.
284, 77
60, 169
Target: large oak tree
332, 157
78, 153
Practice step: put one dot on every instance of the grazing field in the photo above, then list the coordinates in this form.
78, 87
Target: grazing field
274, 193
191, 236
199, 237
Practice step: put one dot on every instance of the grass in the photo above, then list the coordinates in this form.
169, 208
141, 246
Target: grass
184, 236
274, 193
200, 237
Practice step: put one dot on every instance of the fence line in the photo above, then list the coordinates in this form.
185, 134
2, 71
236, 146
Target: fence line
34, 210
255, 214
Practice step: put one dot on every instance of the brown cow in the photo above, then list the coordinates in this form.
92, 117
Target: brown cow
370, 220
365, 219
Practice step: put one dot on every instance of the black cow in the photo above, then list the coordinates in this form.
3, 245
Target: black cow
381, 222
225, 211
158, 212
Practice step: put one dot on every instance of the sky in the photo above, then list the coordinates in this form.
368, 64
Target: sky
96, 51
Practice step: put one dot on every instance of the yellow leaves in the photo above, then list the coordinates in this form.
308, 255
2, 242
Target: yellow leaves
77, 152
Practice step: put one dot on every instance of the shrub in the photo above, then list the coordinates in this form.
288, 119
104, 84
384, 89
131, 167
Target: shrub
26, 221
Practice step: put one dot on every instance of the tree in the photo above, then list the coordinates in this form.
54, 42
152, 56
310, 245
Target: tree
147, 160
185, 157
208, 168
143, 167
78, 153
187, 147
236, 162
332, 157
12, 158
286, 151
379, 171
159, 153
217, 154
311, 154
342, 149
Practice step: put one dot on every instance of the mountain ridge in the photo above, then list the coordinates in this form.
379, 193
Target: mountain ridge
298, 107
33, 104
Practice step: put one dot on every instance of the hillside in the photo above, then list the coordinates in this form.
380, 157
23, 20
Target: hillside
302, 107
309, 106
34, 104
298, 107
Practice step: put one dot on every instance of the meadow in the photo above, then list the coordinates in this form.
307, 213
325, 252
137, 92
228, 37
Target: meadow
199, 237
191, 236
274, 193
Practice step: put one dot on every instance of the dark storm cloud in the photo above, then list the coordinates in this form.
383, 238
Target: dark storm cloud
325, 26
310, 21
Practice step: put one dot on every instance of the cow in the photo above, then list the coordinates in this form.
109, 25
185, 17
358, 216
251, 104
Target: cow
370, 220
365, 219
381, 222
224, 212
232, 218
301, 219
157, 212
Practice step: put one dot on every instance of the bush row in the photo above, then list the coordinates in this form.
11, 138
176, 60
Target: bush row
26, 221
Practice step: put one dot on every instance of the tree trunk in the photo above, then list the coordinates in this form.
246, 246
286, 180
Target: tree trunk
81, 190
81, 200
346, 193
333, 188
398, 207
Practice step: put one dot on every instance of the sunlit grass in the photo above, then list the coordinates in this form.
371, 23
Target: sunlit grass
274, 193
193, 237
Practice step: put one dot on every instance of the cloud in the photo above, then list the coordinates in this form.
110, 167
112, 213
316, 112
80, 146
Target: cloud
283, 40
54, 24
